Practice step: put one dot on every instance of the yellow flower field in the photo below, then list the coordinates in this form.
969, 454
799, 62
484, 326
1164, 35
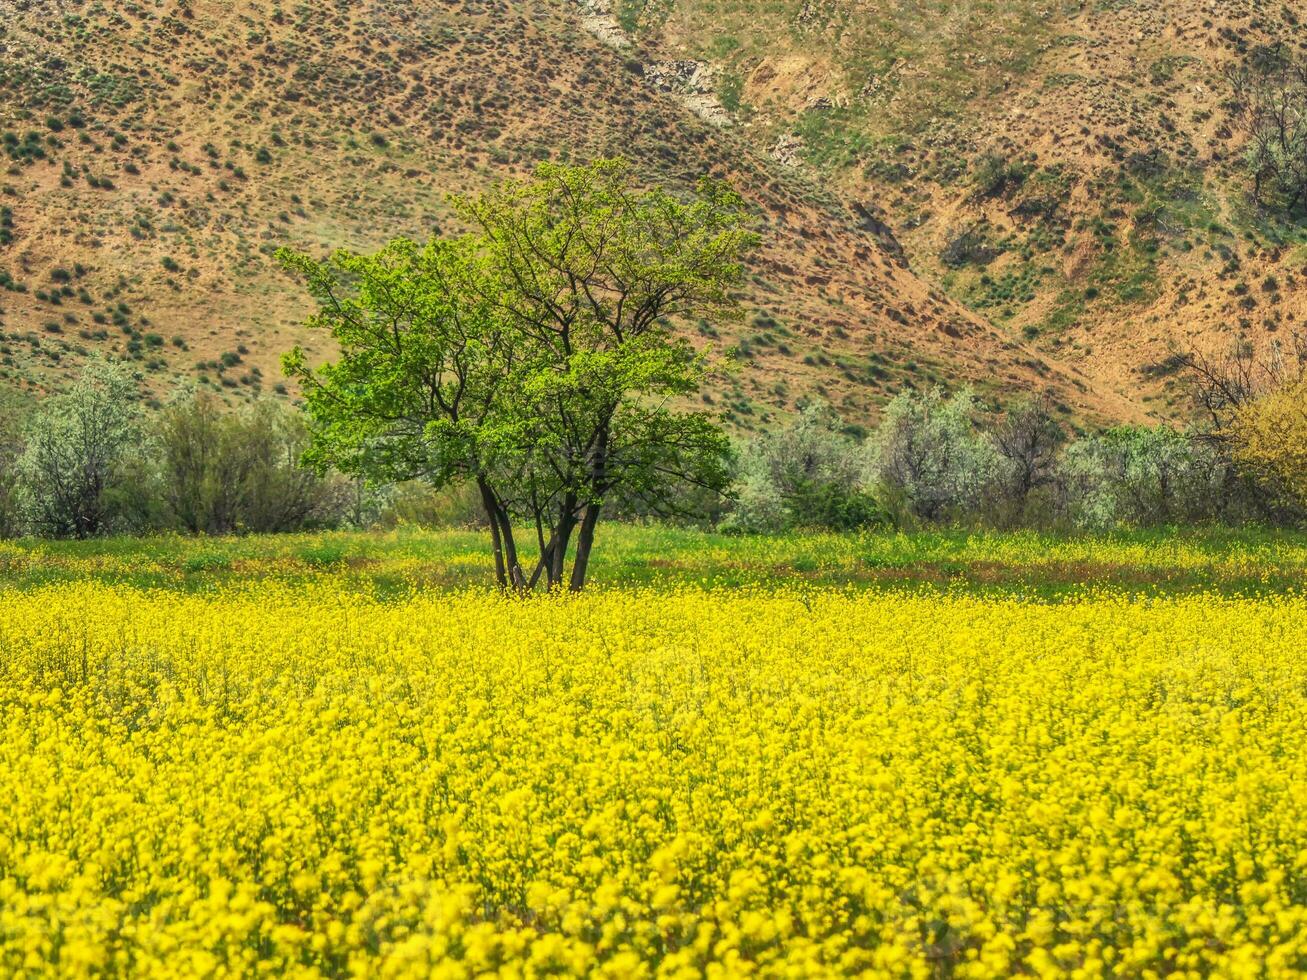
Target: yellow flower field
302, 780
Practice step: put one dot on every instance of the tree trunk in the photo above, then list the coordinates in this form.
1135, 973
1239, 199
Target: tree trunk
584, 544
563, 537
545, 562
512, 567
507, 567
491, 508
598, 487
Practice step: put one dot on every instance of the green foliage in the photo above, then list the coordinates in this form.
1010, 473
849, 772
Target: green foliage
636, 14
973, 245
206, 562
223, 471
112, 91
322, 555
1269, 94
12, 412
1005, 292
729, 90
834, 138
533, 356
1237, 562
928, 459
25, 150
77, 468
996, 176
1141, 476
805, 474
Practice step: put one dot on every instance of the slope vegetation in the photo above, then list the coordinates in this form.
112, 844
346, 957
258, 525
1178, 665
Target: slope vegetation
1072, 172
158, 152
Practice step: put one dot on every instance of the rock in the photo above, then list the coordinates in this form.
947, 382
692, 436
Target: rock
694, 82
680, 76
788, 150
597, 18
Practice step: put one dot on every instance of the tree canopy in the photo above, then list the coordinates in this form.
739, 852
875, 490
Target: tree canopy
534, 355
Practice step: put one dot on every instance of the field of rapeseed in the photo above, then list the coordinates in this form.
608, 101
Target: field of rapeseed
299, 778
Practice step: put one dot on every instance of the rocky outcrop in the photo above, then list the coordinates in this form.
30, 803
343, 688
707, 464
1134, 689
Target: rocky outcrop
597, 18
693, 82
788, 150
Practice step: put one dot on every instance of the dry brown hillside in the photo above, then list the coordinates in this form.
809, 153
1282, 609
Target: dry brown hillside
157, 152
1070, 171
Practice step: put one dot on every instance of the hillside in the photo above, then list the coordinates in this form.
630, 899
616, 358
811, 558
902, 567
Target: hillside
158, 152
1070, 171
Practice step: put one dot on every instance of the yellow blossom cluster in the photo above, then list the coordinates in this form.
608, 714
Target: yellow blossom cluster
301, 780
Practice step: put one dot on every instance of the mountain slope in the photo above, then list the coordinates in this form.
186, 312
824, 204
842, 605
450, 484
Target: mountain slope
1071, 171
158, 152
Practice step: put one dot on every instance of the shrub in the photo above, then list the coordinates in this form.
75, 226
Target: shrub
324, 554
1269, 101
230, 471
994, 175
1140, 476
207, 562
11, 449
75, 469
415, 504
927, 458
1269, 437
1026, 441
807, 474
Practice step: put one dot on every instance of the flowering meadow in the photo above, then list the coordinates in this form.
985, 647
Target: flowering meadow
303, 779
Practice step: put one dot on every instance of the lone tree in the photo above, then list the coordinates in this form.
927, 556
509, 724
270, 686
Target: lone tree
534, 356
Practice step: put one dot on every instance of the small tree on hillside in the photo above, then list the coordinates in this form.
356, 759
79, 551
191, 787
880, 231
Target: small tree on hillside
78, 445
1269, 96
534, 356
